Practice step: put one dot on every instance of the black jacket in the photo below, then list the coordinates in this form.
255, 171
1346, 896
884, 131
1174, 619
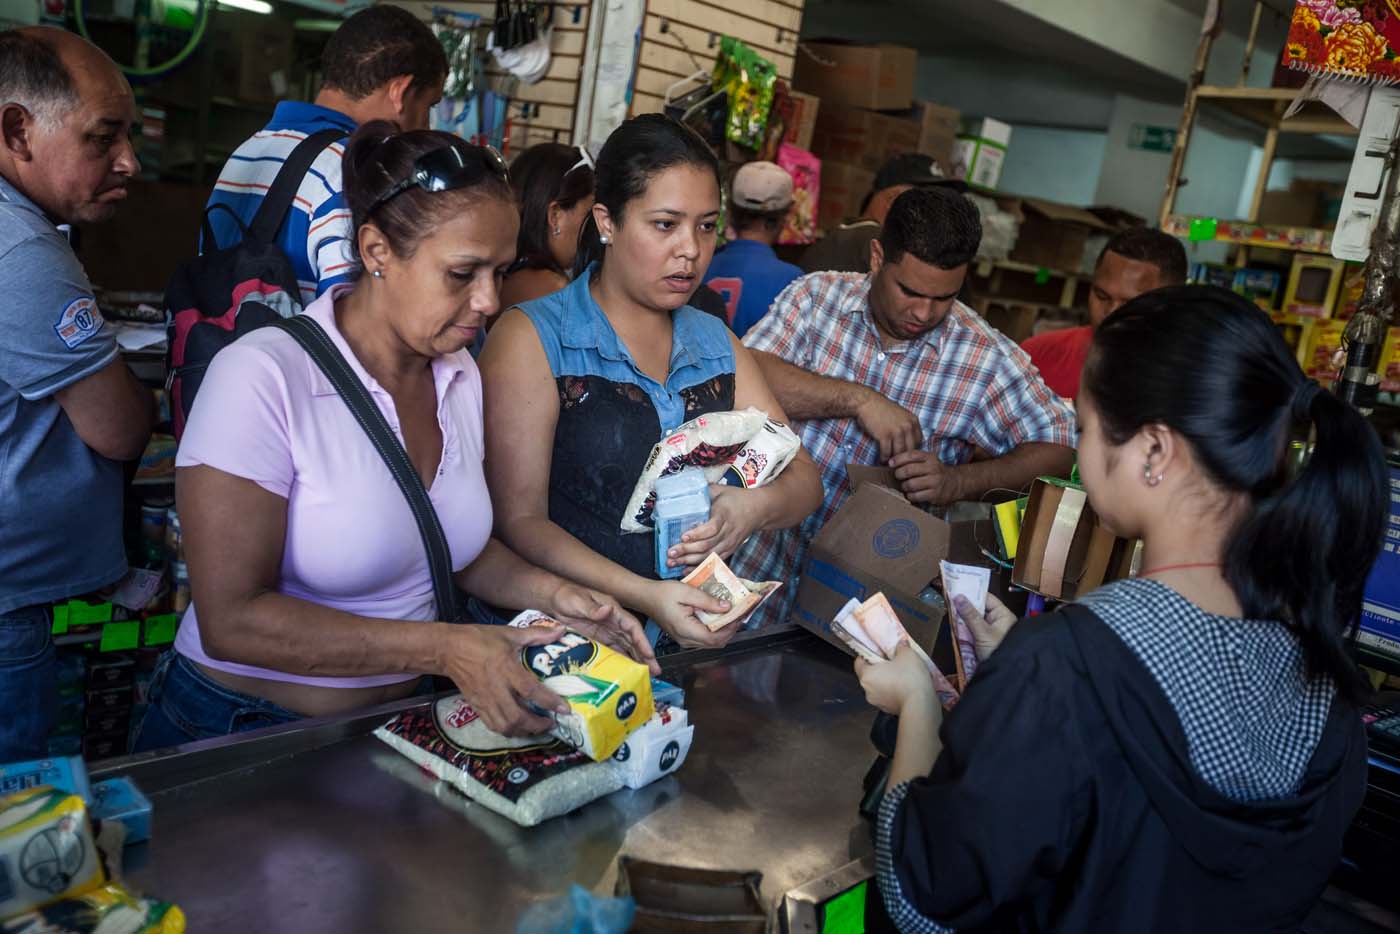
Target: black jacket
1065, 800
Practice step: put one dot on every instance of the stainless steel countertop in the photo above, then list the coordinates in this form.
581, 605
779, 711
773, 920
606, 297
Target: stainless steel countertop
321, 827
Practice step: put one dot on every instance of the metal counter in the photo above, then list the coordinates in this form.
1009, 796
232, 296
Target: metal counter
321, 827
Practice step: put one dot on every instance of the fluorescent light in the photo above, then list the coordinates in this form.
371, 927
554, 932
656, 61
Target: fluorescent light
252, 6
316, 25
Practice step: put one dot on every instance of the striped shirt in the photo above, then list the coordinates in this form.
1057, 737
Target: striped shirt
968, 384
316, 233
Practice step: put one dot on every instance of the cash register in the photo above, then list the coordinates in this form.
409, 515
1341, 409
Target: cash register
1371, 853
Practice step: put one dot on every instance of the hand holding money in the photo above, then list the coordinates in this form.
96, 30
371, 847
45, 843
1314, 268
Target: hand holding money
714, 578
873, 632
894, 685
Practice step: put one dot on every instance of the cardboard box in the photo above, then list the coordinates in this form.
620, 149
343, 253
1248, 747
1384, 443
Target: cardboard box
980, 152
843, 190
938, 131
880, 542
805, 110
1053, 236
880, 77
863, 138
1064, 550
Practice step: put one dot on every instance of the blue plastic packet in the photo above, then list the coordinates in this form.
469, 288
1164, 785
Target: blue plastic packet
579, 912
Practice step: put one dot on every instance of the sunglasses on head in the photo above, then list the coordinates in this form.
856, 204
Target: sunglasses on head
446, 169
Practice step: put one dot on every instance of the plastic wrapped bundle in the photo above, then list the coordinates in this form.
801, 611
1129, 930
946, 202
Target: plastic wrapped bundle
525, 779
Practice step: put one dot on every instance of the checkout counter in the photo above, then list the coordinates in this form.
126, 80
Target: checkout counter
319, 826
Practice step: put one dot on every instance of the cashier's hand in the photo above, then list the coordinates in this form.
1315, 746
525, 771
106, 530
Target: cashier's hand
484, 663
673, 605
893, 427
988, 631
926, 479
734, 516
894, 685
601, 618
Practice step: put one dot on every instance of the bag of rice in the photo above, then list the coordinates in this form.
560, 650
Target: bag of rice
526, 779
745, 449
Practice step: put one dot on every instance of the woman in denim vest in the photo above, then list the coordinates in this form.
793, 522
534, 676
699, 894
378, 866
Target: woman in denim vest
581, 384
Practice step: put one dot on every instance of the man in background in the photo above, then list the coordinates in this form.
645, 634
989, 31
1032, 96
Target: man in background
1135, 261
890, 368
383, 63
746, 271
847, 248
70, 410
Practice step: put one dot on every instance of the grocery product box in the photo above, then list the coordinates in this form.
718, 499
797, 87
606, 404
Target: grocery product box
1313, 286
880, 77
980, 152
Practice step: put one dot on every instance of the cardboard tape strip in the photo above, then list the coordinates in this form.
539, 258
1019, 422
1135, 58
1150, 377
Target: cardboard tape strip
1067, 516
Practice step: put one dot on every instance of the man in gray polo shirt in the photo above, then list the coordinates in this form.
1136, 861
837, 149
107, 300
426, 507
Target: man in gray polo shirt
70, 410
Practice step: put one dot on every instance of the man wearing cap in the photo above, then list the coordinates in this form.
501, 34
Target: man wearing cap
847, 248
747, 272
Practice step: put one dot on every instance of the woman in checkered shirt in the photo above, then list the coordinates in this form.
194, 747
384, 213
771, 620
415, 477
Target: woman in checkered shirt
1181, 751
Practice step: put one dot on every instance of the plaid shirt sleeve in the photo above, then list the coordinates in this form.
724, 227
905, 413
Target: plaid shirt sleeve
785, 330
1019, 408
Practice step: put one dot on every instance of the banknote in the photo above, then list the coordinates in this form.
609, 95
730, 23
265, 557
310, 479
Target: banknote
875, 625
961, 580
714, 578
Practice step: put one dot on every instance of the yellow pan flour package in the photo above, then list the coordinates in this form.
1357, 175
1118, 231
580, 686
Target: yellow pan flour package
46, 849
609, 694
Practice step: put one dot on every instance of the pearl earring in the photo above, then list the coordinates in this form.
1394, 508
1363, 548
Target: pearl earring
378, 274
604, 239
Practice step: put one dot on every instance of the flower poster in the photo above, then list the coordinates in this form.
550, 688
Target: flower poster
1356, 38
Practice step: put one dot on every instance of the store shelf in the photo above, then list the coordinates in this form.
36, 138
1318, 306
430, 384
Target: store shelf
1265, 107
1244, 233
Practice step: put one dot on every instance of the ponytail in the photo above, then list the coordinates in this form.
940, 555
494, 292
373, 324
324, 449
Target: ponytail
590, 246
1212, 367
1304, 554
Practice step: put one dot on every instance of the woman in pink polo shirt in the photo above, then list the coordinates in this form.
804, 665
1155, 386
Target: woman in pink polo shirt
312, 589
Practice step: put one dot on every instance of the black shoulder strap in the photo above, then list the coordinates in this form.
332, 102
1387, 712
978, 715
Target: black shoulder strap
317, 343
278, 200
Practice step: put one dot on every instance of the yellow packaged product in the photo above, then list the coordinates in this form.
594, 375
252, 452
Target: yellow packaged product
110, 909
609, 694
1390, 361
47, 849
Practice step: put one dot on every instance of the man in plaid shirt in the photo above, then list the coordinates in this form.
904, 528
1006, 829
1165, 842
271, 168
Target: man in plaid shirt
890, 368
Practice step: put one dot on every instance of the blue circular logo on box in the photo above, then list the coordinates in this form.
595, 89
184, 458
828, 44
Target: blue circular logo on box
626, 705
669, 755
896, 538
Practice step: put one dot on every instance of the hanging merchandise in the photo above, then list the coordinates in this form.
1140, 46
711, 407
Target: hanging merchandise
806, 171
518, 42
749, 78
780, 117
459, 110
704, 110
1346, 38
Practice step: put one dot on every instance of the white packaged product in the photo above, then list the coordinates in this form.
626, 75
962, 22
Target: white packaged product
744, 449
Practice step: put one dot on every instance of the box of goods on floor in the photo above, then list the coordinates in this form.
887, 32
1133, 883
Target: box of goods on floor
883, 569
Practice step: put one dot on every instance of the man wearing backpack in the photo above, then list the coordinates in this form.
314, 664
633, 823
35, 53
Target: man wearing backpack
383, 63
70, 410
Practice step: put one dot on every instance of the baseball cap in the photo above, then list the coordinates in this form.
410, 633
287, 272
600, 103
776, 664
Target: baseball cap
915, 168
762, 186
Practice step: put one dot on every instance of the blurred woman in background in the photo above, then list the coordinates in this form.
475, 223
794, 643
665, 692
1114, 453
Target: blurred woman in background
553, 186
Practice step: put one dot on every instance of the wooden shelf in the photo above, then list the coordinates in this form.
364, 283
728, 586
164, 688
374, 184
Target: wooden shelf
1265, 108
1297, 239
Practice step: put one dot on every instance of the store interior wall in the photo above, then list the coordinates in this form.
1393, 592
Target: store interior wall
19, 12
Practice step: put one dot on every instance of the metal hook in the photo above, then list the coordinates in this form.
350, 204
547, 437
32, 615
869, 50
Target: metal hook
665, 24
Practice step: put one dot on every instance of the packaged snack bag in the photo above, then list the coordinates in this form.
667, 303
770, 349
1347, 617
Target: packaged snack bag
47, 849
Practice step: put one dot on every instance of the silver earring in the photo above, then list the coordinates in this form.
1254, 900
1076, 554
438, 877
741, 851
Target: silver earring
1147, 475
557, 231
378, 274
604, 239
